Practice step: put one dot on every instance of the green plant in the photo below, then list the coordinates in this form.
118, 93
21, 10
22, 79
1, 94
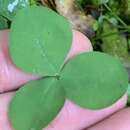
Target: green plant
3, 23
8, 8
40, 40
113, 15
128, 91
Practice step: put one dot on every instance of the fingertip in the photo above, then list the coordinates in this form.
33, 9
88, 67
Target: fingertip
80, 44
4, 37
4, 105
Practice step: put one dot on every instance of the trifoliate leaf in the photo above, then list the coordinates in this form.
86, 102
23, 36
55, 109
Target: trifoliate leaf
36, 104
94, 80
40, 40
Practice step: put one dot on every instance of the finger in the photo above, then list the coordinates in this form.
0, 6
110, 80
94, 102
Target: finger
10, 76
74, 112
71, 117
4, 105
118, 121
80, 44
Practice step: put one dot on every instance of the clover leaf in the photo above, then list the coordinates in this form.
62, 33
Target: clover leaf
36, 104
39, 43
40, 40
94, 80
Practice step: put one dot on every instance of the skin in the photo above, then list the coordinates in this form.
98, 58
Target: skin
71, 117
118, 121
8, 71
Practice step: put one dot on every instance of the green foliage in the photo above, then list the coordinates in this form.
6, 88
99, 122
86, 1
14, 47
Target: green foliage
127, 9
117, 7
92, 76
39, 44
36, 104
116, 44
93, 2
8, 8
45, 29
99, 2
3, 23
112, 29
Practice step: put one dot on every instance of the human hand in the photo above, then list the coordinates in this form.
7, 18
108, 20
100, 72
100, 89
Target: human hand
71, 117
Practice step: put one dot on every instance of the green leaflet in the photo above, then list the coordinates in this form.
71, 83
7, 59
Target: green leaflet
94, 80
36, 104
40, 40
8, 8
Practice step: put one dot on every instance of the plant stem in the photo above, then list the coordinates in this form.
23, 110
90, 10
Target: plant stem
110, 34
118, 18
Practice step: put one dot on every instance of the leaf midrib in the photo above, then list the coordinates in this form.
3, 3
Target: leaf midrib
37, 113
44, 55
